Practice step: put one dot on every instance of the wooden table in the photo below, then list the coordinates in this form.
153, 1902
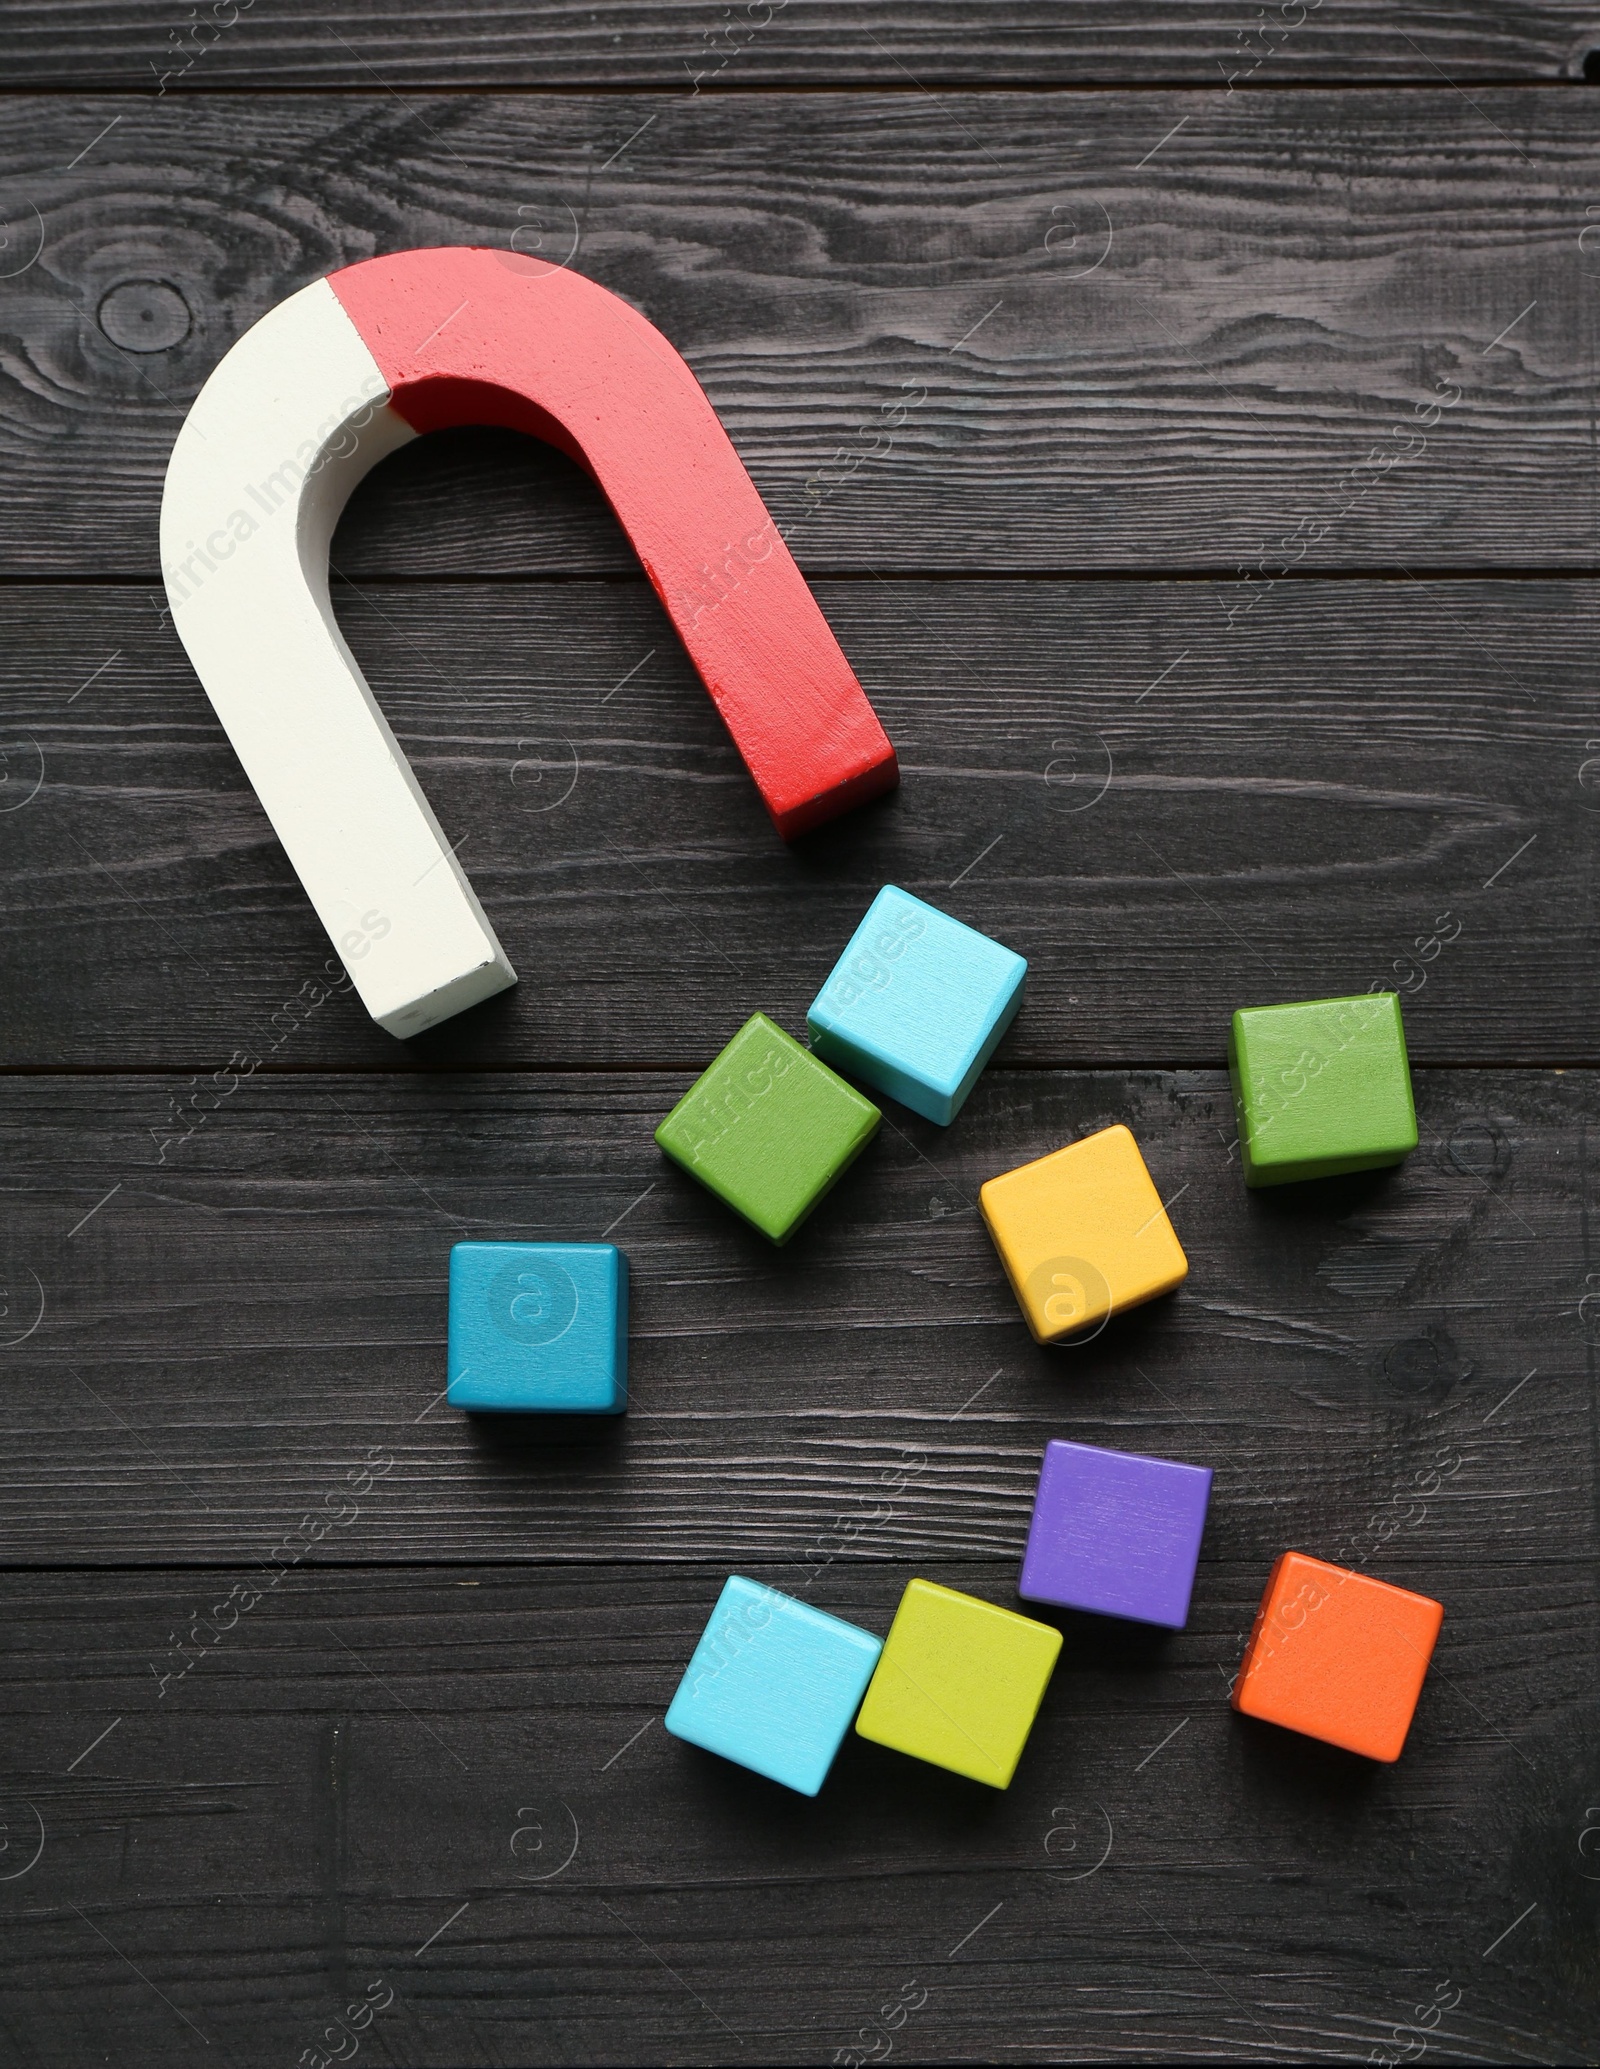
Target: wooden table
1190, 432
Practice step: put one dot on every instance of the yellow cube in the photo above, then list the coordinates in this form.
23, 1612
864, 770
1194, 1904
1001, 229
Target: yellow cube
1082, 1233
959, 1683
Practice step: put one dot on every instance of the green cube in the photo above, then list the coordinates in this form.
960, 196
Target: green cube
1321, 1088
768, 1128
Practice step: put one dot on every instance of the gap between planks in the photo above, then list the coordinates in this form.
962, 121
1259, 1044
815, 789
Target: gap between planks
803, 89
406, 1066
1148, 577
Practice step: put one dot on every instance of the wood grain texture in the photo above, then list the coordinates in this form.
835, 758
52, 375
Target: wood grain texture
987, 332
1007, 365
218, 1339
1171, 811
380, 1760
132, 44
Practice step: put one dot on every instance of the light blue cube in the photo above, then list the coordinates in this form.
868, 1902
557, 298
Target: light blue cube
539, 1328
774, 1685
917, 1004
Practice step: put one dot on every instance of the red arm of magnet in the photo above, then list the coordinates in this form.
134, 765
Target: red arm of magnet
467, 336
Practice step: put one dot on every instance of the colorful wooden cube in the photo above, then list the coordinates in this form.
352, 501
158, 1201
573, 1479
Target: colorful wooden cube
1321, 1088
1116, 1533
768, 1128
1338, 1655
1082, 1234
539, 1328
773, 1684
917, 1004
960, 1683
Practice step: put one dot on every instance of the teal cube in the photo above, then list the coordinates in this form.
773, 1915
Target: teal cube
1321, 1088
538, 1328
917, 1004
774, 1685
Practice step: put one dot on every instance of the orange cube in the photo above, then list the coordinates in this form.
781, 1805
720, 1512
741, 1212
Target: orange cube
1338, 1655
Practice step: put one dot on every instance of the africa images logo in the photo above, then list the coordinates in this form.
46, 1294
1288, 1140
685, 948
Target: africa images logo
532, 1303
1071, 1295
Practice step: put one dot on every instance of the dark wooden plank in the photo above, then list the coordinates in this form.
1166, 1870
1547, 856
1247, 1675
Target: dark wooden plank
1024, 43
1303, 781
1135, 330
219, 1338
367, 1776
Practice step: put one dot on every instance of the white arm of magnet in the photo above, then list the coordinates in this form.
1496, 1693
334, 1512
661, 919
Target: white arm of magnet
277, 438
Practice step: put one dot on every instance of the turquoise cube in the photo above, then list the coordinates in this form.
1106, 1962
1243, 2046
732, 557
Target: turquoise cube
774, 1685
539, 1328
917, 1004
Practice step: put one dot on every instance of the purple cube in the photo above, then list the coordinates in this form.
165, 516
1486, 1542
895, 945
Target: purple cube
1115, 1533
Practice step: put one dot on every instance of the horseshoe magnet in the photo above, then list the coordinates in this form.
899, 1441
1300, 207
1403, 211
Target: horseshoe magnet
318, 392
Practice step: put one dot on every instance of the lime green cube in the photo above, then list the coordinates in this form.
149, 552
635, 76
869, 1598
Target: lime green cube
959, 1682
1321, 1088
768, 1128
